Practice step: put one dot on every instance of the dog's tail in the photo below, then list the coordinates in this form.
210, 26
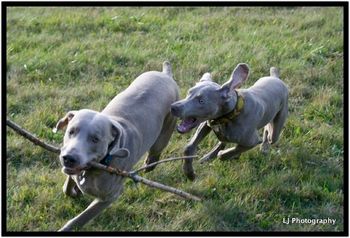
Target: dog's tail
274, 72
167, 68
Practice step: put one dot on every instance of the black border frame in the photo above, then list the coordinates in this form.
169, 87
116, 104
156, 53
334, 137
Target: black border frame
343, 4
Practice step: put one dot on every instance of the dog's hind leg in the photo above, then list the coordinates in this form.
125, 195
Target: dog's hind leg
265, 145
161, 142
278, 123
235, 152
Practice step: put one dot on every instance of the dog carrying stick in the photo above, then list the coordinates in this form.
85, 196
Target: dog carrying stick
131, 174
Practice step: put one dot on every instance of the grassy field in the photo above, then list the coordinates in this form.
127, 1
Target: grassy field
59, 59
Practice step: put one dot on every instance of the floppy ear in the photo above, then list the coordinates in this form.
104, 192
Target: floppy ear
120, 152
238, 76
116, 147
63, 122
206, 77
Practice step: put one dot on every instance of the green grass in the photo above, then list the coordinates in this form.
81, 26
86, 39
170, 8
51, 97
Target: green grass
59, 59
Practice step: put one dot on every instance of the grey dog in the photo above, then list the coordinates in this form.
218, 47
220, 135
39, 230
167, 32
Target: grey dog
136, 121
235, 115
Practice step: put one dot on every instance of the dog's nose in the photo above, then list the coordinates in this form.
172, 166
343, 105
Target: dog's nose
69, 160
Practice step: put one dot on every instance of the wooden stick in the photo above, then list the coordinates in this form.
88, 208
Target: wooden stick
143, 180
131, 174
32, 138
163, 161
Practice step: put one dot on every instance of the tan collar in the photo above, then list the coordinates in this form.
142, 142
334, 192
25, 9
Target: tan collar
231, 115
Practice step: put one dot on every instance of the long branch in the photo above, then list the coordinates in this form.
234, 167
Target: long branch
32, 138
131, 174
143, 180
163, 161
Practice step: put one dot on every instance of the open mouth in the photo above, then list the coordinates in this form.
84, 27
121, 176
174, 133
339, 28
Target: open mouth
187, 124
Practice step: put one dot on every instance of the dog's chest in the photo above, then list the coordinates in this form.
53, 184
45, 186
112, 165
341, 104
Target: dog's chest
97, 184
218, 129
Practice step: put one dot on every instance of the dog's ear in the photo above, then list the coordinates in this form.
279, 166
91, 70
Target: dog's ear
63, 122
238, 76
206, 77
120, 153
116, 147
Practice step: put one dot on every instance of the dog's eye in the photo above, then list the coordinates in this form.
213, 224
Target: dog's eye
71, 132
95, 139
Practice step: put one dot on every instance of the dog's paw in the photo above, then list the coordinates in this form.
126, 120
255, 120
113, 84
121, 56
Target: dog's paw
191, 176
264, 148
188, 171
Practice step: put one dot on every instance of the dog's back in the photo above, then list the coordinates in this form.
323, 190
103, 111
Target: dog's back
271, 93
146, 103
148, 89
272, 82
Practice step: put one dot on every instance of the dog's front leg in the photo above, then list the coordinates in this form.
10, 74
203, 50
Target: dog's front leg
212, 154
191, 148
89, 213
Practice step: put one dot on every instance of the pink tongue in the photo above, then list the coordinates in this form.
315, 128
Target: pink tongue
185, 125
